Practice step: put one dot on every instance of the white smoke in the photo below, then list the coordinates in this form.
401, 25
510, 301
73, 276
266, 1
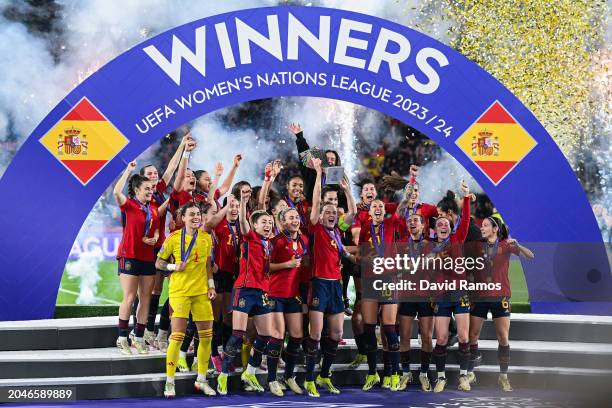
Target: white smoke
85, 269
438, 176
217, 143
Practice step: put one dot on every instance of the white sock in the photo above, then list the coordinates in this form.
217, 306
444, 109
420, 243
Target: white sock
162, 334
250, 369
182, 354
462, 372
201, 378
122, 338
503, 375
441, 374
170, 380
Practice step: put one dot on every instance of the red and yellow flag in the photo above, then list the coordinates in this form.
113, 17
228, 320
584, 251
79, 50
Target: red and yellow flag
496, 142
84, 141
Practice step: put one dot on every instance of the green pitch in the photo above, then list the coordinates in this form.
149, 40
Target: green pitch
108, 290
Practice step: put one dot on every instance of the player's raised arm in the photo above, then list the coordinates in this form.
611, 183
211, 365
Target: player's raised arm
220, 215
176, 158
215, 182
350, 201
244, 222
118, 190
464, 225
315, 212
184, 164
227, 183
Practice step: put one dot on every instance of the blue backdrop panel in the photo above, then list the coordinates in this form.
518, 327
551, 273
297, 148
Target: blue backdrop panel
44, 206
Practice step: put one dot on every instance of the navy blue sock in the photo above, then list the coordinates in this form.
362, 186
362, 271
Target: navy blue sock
291, 355
232, 348
273, 352
330, 348
311, 348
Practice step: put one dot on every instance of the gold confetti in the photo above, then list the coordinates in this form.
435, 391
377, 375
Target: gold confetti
550, 53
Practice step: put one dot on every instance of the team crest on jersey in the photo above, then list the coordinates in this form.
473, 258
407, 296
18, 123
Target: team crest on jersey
71, 142
241, 302
315, 301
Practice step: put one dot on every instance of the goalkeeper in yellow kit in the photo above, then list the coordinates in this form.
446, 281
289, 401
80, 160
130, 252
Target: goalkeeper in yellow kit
191, 290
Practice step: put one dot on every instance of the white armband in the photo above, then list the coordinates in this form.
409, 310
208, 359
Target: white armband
211, 283
171, 267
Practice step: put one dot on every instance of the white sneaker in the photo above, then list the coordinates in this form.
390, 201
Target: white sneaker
405, 380
124, 346
161, 343
275, 388
169, 391
204, 387
293, 385
149, 337
140, 346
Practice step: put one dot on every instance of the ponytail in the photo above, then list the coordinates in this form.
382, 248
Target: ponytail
135, 182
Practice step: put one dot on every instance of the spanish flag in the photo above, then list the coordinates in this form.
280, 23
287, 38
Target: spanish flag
84, 141
496, 142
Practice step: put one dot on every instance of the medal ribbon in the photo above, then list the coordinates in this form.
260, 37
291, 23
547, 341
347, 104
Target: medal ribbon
235, 236
419, 246
148, 218
185, 255
336, 237
266, 246
378, 244
490, 258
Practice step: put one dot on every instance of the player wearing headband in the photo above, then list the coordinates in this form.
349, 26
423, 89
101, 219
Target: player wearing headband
288, 250
136, 253
326, 289
374, 236
496, 250
447, 246
249, 298
191, 289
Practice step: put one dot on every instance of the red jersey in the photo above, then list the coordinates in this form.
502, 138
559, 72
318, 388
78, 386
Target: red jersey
497, 263
425, 210
326, 257
285, 283
363, 213
386, 231
453, 246
254, 263
133, 218
158, 199
203, 195
227, 246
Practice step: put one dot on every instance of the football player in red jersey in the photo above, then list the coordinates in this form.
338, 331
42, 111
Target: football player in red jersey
326, 289
289, 248
161, 185
374, 234
136, 253
496, 251
227, 242
249, 298
447, 245
295, 199
408, 310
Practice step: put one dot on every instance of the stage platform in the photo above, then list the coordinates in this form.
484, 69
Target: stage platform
569, 354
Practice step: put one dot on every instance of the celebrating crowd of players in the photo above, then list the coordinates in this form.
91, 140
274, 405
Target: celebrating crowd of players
254, 273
